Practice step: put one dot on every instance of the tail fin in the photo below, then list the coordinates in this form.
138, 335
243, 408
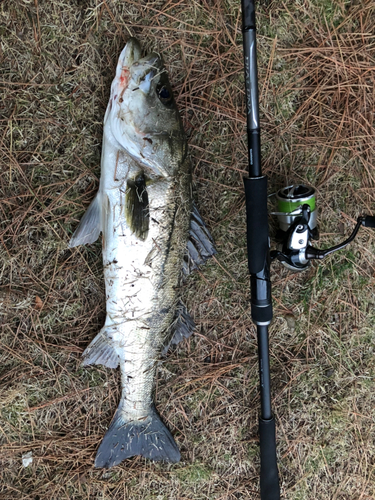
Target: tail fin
126, 438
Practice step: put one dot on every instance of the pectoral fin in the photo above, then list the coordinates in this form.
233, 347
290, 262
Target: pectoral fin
89, 228
136, 208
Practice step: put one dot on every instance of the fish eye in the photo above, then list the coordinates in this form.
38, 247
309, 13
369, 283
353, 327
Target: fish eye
164, 94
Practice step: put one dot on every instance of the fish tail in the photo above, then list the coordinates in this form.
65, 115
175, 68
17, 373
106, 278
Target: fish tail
126, 438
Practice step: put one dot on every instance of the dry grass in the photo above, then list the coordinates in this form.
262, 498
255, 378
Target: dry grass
317, 67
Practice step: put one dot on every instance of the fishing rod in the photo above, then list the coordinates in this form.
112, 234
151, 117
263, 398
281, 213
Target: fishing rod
259, 256
297, 217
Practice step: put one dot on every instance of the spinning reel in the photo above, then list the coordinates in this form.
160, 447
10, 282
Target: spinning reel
297, 216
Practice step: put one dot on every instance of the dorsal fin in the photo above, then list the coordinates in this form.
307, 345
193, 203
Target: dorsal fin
136, 207
200, 245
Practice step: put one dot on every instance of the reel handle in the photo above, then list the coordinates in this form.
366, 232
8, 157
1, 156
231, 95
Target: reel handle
295, 257
369, 221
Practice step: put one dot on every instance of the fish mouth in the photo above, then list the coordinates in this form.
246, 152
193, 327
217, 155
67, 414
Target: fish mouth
130, 57
136, 72
130, 54
153, 60
146, 69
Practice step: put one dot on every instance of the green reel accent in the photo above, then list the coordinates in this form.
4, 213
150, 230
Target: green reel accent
289, 202
292, 197
288, 206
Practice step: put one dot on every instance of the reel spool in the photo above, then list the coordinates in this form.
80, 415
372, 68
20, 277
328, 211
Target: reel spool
289, 205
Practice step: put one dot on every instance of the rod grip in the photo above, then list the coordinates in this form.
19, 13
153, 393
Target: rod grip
269, 474
369, 221
257, 222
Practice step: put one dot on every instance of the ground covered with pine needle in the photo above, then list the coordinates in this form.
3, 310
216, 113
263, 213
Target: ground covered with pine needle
316, 62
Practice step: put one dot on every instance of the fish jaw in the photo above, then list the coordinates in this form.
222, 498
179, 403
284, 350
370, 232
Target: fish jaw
129, 54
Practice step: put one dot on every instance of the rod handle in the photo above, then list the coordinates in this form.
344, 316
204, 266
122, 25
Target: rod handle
257, 222
269, 474
369, 221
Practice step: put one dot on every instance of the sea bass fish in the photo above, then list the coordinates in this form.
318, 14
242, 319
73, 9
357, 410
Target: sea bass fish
152, 235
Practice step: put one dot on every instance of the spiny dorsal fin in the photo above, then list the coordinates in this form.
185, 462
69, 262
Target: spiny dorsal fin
136, 208
200, 245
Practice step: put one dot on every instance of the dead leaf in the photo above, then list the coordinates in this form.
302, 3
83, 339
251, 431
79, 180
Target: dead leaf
38, 303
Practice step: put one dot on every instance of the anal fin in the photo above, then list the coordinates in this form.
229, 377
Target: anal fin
101, 351
200, 245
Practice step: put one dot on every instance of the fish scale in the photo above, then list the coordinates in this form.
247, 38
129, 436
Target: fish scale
151, 232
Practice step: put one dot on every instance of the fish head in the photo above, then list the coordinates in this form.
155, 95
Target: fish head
142, 115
